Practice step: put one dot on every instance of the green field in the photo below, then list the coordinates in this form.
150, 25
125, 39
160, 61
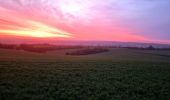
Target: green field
120, 74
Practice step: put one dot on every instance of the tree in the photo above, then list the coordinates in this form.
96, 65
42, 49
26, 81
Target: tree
150, 47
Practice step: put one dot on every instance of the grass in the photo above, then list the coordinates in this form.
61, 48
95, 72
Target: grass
104, 76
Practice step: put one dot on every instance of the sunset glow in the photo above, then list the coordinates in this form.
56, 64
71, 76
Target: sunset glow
36, 29
111, 20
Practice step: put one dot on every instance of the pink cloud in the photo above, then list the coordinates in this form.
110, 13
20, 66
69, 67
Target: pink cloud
84, 19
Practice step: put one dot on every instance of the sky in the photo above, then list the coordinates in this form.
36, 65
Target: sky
107, 20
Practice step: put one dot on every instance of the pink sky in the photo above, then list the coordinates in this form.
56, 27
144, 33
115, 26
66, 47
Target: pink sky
111, 20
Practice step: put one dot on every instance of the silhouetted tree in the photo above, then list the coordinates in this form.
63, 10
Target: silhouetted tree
150, 47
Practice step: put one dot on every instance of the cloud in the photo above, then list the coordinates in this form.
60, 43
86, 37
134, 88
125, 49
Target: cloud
21, 25
148, 18
142, 20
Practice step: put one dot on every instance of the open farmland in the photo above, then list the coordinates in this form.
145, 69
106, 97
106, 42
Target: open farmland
119, 74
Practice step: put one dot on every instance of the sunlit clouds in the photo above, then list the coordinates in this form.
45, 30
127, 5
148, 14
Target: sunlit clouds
35, 29
14, 24
111, 20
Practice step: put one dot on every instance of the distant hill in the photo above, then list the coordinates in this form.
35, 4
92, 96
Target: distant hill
111, 43
96, 43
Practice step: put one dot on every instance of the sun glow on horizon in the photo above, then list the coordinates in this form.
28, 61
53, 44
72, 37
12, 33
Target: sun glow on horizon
37, 29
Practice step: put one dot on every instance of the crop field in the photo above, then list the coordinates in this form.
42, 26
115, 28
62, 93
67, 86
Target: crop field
119, 74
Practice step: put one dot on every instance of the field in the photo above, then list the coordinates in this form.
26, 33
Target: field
120, 74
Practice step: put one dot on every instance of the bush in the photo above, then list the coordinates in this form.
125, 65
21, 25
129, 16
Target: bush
87, 51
